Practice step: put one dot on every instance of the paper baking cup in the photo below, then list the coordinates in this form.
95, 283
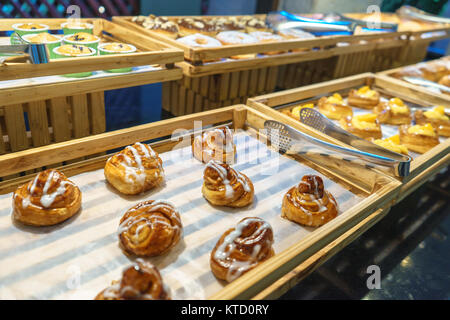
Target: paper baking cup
90, 44
72, 30
65, 55
103, 52
49, 44
21, 32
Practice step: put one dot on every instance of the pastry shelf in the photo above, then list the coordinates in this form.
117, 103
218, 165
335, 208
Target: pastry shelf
89, 242
394, 75
149, 52
317, 48
423, 166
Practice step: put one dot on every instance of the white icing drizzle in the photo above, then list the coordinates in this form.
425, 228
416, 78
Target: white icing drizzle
137, 171
223, 251
315, 198
46, 199
223, 174
155, 206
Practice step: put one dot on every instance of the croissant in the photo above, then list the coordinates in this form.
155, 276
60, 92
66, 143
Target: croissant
135, 169
140, 281
242, 248
150, 228
216, 144
224, 186
308, 203
48, 199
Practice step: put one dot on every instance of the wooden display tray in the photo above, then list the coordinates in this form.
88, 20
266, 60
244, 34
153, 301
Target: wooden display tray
422, 166
150, 52
409, 88
374, 194
325, 47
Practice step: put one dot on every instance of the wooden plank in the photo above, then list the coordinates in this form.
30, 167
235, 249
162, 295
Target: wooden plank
38, 121
181, 100
80, 115
243, 86
234, 85
15, 127
262, 79
190, 101
271, 79
166, 89
59, 118
2, 142
253, 82
198, 103
96, 104
174, 98
224, 85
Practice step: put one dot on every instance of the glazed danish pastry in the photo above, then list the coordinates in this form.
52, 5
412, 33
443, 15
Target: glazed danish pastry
418, 138
364, 98
365, 126
295, 112
216, 145
445, 80
48, 199
242, 248
135, 169
224, 186
393, 144
150, 228
308, 203
438, 119
334, 107
140, 281
394, 112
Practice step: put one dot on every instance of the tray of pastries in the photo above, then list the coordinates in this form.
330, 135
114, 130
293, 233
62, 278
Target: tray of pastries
375, 109
76, 48
437, 71
228, 43
210, 213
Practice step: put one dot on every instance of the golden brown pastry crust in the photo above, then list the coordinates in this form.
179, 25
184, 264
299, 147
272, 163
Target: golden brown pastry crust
135, 169
224, 186
216, 145
188, 26
357, 100
417, 142
366, 133
445, 81
140, 281
150, 228
48, 199
242, 248
333, 110
386, 115
442, 126
308, 203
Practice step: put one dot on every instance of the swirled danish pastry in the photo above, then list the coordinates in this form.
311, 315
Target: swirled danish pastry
215, 144
224, 186
242, 248
150, 228
48, 199
135, 169
140, 281
309, 203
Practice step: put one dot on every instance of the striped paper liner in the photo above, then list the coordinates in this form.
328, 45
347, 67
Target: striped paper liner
81, 256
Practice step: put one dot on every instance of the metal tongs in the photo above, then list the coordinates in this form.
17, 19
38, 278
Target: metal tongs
22, 50
414, 13
282, 20
288, 139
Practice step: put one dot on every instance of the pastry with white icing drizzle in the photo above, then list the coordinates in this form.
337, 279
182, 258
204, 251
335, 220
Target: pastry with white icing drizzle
135, 169
150, 228
48, 199
140, 281
308, 203
224, 186
216, 145
242, 248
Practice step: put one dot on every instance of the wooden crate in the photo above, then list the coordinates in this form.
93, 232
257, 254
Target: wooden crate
422, 166
409, 88
150, 51
318, 48
371, 192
